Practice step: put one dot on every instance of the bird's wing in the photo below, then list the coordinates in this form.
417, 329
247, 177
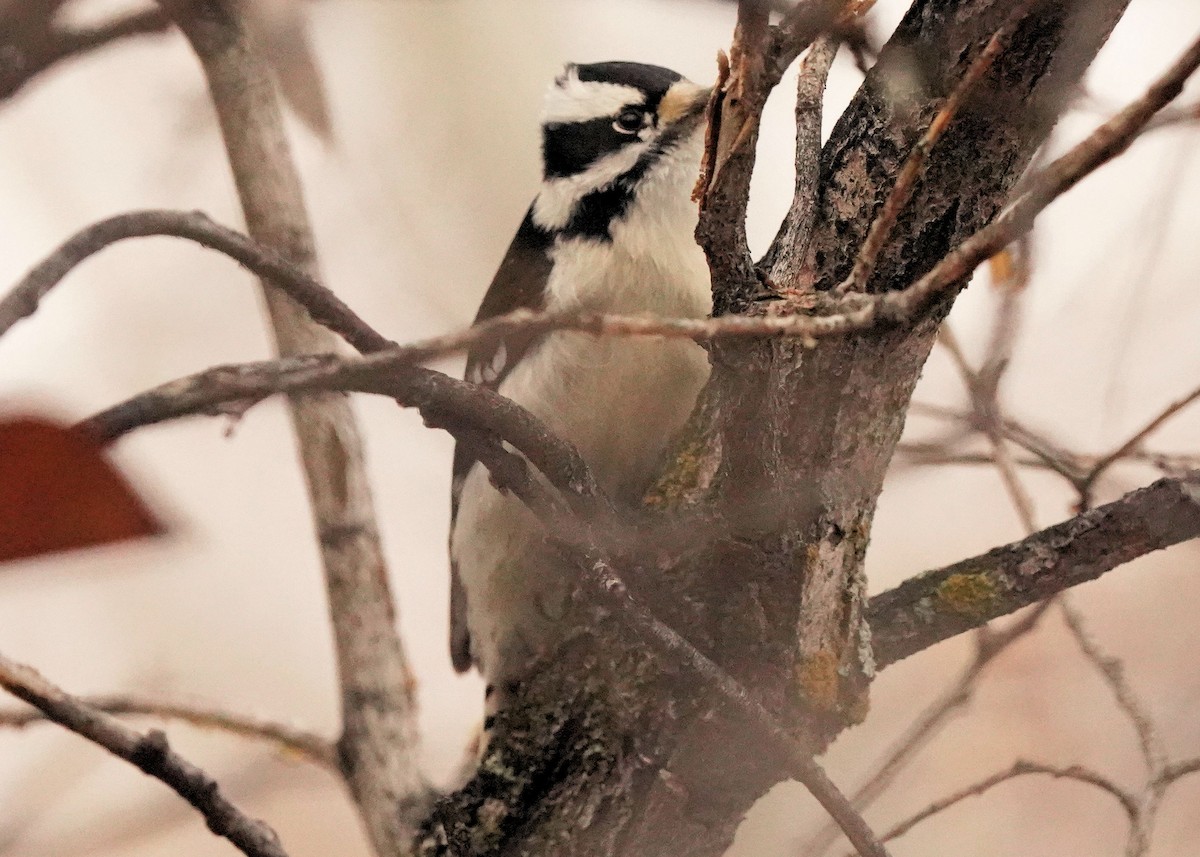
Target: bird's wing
520, 283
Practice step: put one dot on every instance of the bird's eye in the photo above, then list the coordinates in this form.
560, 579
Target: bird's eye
629, 122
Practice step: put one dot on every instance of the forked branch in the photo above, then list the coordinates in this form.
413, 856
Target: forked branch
150, 753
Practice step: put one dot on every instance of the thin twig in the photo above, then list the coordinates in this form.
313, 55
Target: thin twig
1178, 770
304, 744
322, 305
1111, 670
1135, 440
1019, 769
150, 753
1062, 461
1153, 752
987, 411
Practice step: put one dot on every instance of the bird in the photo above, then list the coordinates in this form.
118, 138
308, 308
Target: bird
611, 230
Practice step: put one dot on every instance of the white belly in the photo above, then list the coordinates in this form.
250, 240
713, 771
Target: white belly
618, 400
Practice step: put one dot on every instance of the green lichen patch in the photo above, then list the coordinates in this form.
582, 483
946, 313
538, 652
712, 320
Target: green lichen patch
970, 595
818, 680
680, 478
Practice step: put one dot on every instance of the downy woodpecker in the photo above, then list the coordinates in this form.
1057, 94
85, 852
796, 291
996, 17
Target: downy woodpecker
610, 231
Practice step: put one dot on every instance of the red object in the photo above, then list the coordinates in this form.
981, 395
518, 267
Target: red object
59, 492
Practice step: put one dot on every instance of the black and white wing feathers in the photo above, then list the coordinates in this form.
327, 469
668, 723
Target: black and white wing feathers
520, 283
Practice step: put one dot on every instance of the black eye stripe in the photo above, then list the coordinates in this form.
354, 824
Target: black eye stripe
570, 148
595, 212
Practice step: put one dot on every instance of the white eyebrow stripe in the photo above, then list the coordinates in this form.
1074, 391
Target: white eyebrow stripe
573, 100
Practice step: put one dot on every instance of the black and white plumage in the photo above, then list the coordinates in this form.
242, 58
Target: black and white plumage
611, 230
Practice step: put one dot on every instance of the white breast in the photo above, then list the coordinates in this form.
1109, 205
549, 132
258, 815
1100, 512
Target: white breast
618, 400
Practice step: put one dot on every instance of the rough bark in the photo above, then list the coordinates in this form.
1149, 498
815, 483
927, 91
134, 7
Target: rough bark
940, 604
612, 753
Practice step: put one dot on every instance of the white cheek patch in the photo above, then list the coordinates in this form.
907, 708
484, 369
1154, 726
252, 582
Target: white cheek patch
556, 202
570, 99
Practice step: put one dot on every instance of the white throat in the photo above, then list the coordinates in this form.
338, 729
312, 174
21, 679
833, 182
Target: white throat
652, 264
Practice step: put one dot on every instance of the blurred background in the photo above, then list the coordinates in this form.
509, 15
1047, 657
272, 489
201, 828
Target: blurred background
431, 159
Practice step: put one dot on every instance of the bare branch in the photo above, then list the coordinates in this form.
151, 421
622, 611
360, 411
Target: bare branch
1153, 753
378, 744
940, 604
322, 305
32, 44
1129, 446
444, 402
987, 413
1178, 770
1019, 769
306, 745
795, 231
150, 753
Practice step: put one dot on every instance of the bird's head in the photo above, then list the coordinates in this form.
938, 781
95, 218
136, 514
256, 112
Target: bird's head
610, 131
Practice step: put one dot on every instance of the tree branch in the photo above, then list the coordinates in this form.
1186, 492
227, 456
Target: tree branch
378, 744
1019, 769
150, 753
444, 402
30, 43
323, 306
937, 605
608, 588
307, 745
1135, 440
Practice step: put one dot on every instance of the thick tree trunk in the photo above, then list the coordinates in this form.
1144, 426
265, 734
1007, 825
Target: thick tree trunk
614, 751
